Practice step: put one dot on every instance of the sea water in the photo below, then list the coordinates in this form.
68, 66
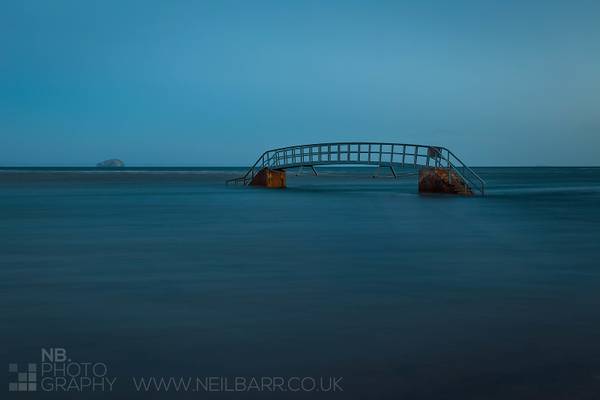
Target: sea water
168, 272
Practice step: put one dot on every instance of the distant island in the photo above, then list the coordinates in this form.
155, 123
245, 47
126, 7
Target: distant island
112, 163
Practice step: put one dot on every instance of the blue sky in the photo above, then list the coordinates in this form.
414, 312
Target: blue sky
216, 83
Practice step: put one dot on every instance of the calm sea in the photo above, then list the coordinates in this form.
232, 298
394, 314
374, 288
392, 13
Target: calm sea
169, 273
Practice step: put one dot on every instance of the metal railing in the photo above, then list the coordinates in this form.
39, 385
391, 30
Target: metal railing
364, 153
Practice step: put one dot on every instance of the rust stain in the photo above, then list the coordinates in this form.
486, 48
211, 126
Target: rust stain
270, 178
437, 180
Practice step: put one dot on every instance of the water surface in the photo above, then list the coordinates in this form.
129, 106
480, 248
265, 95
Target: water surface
169, 272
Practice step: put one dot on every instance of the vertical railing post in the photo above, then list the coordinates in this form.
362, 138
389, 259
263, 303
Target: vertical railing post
416, 153
403, 154
449, 168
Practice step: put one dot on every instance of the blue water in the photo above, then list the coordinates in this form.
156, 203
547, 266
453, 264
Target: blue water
168, 272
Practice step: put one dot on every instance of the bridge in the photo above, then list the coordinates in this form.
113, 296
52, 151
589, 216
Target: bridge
440, 170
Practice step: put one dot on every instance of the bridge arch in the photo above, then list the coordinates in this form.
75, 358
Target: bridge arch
436, 161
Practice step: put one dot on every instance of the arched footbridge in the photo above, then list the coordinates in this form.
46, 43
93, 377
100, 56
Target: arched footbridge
440, 170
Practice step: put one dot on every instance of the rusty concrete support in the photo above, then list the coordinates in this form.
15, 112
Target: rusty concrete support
270, 178
441, 180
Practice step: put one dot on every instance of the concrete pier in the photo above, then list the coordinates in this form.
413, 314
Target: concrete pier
270, 178
442, 180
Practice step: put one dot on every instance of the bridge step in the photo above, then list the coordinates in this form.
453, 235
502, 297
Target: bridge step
441, 180
270, 178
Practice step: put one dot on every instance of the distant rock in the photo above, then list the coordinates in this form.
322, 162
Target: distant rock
112, 163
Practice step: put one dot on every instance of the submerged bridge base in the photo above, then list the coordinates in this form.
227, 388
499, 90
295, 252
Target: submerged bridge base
270, 178
431, 180
442, 180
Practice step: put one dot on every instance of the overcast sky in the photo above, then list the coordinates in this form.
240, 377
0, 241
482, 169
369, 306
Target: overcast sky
511, 82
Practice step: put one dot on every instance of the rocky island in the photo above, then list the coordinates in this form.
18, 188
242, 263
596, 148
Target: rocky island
112, 163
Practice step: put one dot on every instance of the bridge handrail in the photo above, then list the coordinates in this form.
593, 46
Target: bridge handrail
474, 180
271, 158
